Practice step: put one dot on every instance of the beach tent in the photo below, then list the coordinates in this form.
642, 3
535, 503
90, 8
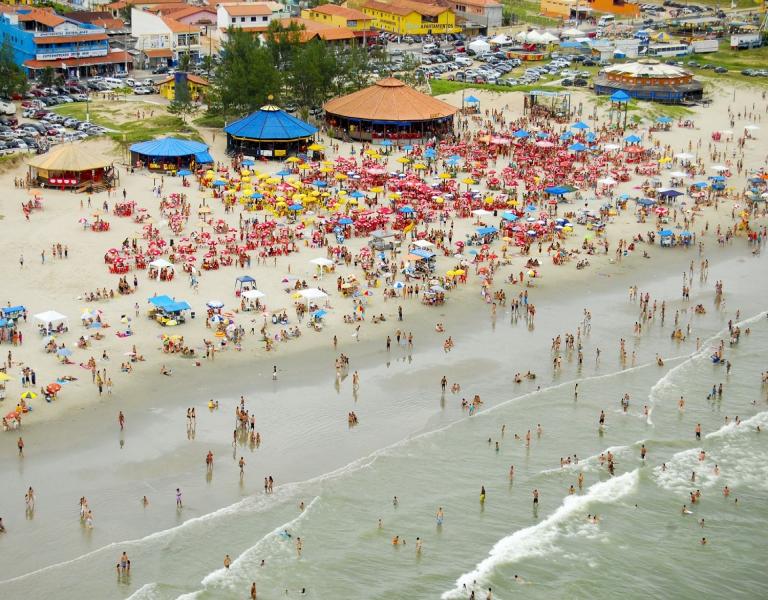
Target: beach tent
242, 280
479, 46
508, 216
253, 294
501, 39
159, 301
548, 38
423, 244
51, 318
161, 263
312, 294
482, 231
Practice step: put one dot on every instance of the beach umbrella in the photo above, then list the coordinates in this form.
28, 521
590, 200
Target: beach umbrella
577, 147
345, 221
520, 134
580, 125
185, 172
751, 127
387, 143
718, 168
544, 144
678, 174
296, 206
4, 377
53, 388
430, 153
684, 156
248, 162
319, 183
664, 120
564, 137
632, 139
64, 352
406, 210
611, 147
219, 183
28, 395
214, 304
357, 194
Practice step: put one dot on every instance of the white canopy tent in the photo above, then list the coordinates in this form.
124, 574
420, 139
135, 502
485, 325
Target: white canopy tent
423, 244
161, 263
479, 46
51, 318
312, 294
253, 294
501, 39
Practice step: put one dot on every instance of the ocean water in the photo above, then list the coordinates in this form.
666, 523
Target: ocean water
428, 452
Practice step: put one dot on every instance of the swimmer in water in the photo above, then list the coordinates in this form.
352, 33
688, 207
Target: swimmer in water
686, 511
439, 516
482, 494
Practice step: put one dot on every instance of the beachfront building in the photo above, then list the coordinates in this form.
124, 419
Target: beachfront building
164, 38
649, 79
169, 154
70, 166
197, 86
270, 133
407, 17
338, 16
40, 38
485, 13
389, 110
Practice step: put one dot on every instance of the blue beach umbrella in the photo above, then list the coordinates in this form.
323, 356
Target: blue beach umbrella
296, 206
580, 125
633, 139
219, 183
256, 196
406, 210
430, 153
577, 147
185, 173
248, 162
386, 143
345, 221
520, 133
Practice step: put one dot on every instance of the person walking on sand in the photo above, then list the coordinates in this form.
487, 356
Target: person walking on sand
227, 561
20, 446
121, 420
253, 591
299, 546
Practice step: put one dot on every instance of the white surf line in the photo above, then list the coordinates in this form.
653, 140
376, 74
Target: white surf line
536, 539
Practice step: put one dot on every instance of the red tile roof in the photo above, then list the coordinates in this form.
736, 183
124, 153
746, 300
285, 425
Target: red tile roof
64, 39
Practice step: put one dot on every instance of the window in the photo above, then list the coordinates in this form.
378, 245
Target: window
253, 19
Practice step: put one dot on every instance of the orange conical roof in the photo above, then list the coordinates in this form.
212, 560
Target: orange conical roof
389, 99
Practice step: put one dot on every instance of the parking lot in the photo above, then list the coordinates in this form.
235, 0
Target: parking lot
453, 60
36, 126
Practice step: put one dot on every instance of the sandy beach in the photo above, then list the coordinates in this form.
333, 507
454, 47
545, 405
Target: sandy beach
73, 442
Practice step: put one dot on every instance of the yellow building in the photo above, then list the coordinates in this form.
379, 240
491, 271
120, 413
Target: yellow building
198, 87
338, 16
404, 17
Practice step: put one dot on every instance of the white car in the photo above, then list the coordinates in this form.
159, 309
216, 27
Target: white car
141, 91
7, 108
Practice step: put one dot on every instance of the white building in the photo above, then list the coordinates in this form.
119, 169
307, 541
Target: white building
156, 35
254, 16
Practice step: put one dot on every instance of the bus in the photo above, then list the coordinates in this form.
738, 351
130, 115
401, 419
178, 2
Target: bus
664, 50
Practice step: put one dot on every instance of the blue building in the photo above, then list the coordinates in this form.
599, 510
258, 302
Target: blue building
40, 38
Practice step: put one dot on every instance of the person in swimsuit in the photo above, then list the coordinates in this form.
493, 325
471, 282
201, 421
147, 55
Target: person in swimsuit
178, 498
440, 516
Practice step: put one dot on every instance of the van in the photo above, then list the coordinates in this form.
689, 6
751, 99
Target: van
464, 61
113, 82
429, 47
606, 20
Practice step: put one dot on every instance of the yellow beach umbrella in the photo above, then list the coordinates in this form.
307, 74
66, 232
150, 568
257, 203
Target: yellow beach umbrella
377, 189
4, 377
468, 181
273, 180
403, 160
445, 176
459, 271
439, 199
28, 395
292, 159
304, 166
341, 176
419, 167
315, 147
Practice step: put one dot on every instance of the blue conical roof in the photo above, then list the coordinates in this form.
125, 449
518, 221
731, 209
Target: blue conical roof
270, 123
168, 147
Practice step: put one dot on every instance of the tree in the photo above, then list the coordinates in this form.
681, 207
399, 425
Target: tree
182, 102
13, 80
283, 41
48, 77
184, 62
246, 76
312, 73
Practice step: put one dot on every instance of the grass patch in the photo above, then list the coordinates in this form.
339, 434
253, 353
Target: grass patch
444, 86
131, 131
209, 120
10, 161
521, 11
